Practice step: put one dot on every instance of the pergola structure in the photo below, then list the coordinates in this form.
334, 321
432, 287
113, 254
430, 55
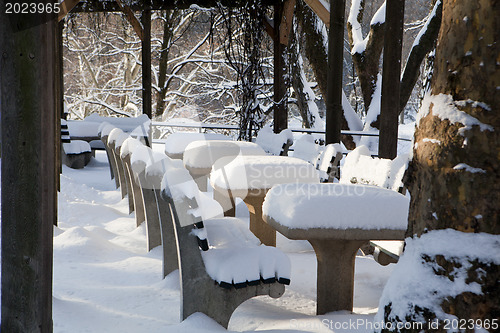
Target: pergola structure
31, 106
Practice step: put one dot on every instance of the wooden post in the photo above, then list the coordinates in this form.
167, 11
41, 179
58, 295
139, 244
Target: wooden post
27, 88
146, 62
280, 69
389, 105
334, 77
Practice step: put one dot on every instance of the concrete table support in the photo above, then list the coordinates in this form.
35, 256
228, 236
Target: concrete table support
335, 273
335, 251
262, 230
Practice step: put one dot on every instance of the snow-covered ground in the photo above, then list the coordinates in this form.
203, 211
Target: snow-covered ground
106, 281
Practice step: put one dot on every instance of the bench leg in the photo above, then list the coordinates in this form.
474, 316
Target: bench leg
335, 280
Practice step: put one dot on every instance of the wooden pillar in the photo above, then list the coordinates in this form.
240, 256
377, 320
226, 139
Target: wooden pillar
334, 77
389, 107
146, 62
280, 111
27, 88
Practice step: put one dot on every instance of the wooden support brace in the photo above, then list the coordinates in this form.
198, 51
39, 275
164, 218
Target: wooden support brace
269, 27
286, 21
65, 7
132, 19
320, 10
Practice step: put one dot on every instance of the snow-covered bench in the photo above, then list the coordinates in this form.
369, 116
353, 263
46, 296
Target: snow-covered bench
274, 144
232, 267
129, 146
325, 158
75, 153
88, 129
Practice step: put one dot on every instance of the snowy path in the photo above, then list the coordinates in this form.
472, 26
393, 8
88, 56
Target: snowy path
105, 281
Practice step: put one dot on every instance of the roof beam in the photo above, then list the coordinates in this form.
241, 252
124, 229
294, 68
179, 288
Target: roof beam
320, 10
132, 19
65, 7
286, 21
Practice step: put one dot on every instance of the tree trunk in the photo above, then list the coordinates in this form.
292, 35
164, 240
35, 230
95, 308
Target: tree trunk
454, 176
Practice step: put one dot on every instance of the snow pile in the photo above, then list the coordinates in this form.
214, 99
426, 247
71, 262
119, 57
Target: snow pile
203, 154
236, 256
273, 143
336, 206
417, 284
176, 143
260, 172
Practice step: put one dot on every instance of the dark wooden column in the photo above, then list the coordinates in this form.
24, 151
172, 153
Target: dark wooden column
389, 108
334, 77
146, 62
280, 111
27, 87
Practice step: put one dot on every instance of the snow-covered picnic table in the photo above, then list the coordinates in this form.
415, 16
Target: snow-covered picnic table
250, 177
336, 219
176, 143
199, 156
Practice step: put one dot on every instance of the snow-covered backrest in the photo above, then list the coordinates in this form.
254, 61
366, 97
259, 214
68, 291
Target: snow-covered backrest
274, 144
306, 149
359, 167
120, 139
178, 185
139, 158
114, 135
104, 129
156, 168
128, 146
328, 160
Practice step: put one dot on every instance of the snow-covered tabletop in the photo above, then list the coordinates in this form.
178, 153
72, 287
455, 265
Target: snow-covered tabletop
199, 156
176, 143
250, 177
336, 219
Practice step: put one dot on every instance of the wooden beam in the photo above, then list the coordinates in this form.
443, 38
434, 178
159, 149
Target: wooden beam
132, 19
391, 72
286, 21
65, 7
269, 27
280, 112
27, 88
334, 77
146, 63
320, 10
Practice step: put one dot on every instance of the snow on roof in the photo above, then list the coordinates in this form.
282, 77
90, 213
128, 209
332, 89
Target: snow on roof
260, 172
339, 206
414, 282
203, 154
176, 142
